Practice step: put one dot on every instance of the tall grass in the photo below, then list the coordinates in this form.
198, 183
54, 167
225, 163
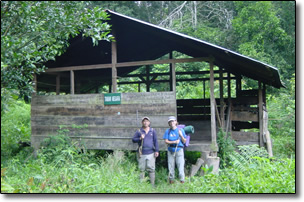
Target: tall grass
110, 174
61, 167
90, 172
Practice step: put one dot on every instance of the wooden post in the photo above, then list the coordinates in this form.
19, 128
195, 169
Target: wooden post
114, 62
229, 86
72, 82
212, 108
222, 97
35, 84
170, 79
260, 94
228, 124
204, 87
173, 78
264, 94
148, 78
58, 84
266, 132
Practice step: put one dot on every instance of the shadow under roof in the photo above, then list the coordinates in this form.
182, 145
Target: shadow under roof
138, 40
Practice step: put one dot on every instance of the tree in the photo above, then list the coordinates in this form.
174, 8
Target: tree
261, 36
33, 32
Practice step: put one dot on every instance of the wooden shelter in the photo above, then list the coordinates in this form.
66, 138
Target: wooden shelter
109, 120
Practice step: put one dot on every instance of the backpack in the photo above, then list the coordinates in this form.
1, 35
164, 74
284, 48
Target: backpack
186, 144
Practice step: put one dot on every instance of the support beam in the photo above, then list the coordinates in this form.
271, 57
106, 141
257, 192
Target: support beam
72, 91
266, 132
222, 97
148, 78
114, 63
173, 78
126, 64
229, 86
212, 108
170, 72
261, 125
204, 89
163, 81
229, 123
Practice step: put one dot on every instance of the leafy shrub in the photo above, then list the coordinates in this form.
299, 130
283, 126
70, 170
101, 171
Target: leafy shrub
282, 124
226, 146
253, 172
15, 126
117, 173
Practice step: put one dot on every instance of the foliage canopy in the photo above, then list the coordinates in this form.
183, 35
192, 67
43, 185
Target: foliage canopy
33, 32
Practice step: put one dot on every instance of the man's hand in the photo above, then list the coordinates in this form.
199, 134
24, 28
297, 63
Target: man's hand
142, 136
156, 154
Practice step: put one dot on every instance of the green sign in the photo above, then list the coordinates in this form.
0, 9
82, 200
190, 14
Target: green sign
112, 99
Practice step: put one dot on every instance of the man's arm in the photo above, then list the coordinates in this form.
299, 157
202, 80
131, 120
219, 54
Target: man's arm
136, 137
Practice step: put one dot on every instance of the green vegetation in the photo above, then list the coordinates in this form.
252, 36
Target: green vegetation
282, 120
15, 127
35, 32
226, 146
31, 35
62, 166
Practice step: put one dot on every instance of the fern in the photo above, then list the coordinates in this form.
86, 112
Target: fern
247, 154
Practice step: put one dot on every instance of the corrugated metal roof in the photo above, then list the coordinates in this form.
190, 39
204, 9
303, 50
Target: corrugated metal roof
225, 58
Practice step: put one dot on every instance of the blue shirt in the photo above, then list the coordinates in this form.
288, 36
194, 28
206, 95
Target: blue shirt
173, 135
150, 144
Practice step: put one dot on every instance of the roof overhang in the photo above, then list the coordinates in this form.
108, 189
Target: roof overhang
138, 40
230, 60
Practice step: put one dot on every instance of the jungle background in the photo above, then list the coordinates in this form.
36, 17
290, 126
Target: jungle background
35, 32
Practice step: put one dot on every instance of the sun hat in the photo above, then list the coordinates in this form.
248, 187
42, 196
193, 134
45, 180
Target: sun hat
171, 118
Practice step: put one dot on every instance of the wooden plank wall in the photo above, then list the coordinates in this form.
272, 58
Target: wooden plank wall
108, 126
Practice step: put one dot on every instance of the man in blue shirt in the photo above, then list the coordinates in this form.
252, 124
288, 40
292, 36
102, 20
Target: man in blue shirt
147, 140
175, 138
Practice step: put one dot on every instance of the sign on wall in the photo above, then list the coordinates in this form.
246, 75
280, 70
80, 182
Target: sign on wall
112, 98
